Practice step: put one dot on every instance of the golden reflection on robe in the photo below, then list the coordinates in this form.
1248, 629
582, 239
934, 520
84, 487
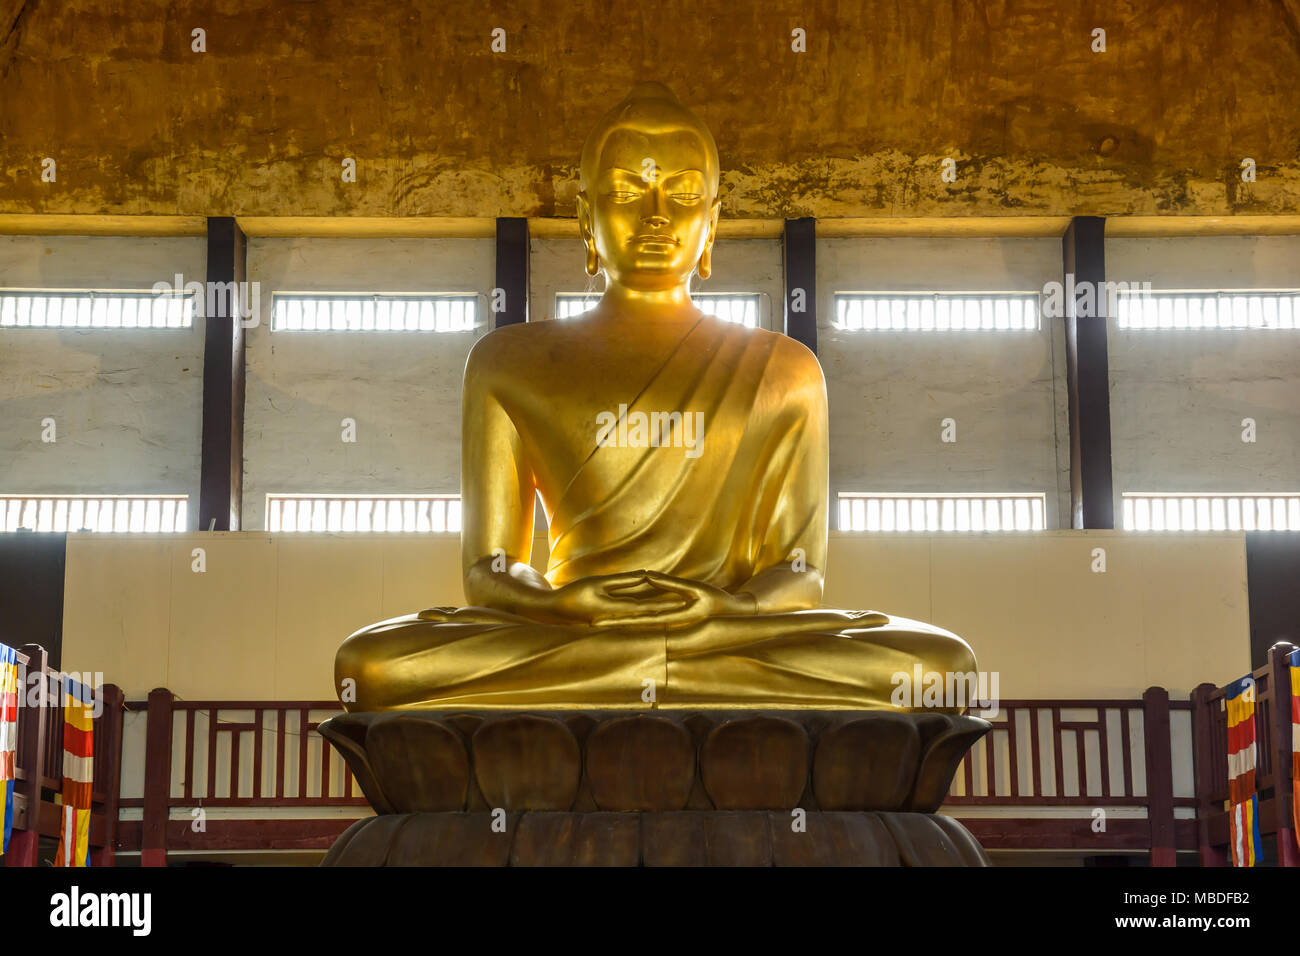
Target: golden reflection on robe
737, 508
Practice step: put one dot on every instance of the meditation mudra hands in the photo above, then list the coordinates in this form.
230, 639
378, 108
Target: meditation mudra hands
645, 599
642, 598
649, 598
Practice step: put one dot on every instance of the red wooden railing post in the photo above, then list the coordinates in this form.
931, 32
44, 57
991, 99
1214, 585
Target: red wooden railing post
33, 725
110, 740
1203, 761
157, 777
1160, 776
1279, 676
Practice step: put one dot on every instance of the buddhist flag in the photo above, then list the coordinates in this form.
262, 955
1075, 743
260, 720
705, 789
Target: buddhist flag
78, 762
8, 739
1295, 740
1243, 801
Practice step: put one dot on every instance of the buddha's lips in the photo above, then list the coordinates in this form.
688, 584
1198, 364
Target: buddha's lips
665, 240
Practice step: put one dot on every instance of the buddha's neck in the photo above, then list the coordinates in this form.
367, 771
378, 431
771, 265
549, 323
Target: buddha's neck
622, 303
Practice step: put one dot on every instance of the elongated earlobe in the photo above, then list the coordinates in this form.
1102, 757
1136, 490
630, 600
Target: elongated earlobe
584, 224
705, 266
706, 262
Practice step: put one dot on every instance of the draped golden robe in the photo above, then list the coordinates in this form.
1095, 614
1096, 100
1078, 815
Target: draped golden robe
619, 508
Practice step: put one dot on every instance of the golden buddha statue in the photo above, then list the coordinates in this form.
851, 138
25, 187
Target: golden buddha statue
682, 465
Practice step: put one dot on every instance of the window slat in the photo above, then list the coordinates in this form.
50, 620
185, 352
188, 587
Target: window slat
291, 312
108, 513
861, 511
363, 513
96, 310
936, 312
1211, 511
1181, 311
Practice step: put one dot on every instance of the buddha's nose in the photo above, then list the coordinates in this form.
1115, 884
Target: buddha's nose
655, 207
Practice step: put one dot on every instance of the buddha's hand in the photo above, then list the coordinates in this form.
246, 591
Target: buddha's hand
613, 599
694, 602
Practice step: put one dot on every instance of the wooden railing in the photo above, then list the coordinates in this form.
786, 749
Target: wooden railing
1108, 767
237, 755
1046, 754
39, 763
264, 754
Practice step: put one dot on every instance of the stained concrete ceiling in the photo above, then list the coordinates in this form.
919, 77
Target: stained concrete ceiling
857, 126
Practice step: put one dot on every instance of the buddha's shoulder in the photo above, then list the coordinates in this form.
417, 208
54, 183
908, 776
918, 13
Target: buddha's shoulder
790, 357
513, 342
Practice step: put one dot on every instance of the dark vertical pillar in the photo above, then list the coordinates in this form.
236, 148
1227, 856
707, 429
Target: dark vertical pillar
799, 253
31, 591
1092, 503
1160, 776
221, 481
1272, 570
512, 272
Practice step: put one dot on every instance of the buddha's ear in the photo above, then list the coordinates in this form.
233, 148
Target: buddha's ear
704, 268
584, 218
714, 211
588, 237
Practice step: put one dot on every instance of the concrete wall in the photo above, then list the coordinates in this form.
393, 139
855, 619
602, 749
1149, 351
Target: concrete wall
556, 266
127, 403
1178, 397
890, 391
1170, 609
401, 388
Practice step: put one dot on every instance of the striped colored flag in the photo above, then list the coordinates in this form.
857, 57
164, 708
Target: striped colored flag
1295, 741
8, 738
78, 764
1243, 801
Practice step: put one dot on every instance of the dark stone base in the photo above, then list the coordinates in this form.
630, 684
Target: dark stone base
681, 838
683, 788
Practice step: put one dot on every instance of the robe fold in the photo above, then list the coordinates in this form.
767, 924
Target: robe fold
655, 507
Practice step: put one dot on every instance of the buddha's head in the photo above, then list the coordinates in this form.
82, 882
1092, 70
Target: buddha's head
648, 207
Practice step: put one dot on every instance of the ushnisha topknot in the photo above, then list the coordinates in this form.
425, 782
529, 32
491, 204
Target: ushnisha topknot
649, 105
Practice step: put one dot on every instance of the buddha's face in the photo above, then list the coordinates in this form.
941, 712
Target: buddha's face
651, 208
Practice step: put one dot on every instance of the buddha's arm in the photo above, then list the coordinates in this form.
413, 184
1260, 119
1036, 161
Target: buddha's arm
793, 552
497, 494
782, 588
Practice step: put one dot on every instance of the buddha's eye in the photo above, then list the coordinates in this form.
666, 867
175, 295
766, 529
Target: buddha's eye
620, 195
685, 197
